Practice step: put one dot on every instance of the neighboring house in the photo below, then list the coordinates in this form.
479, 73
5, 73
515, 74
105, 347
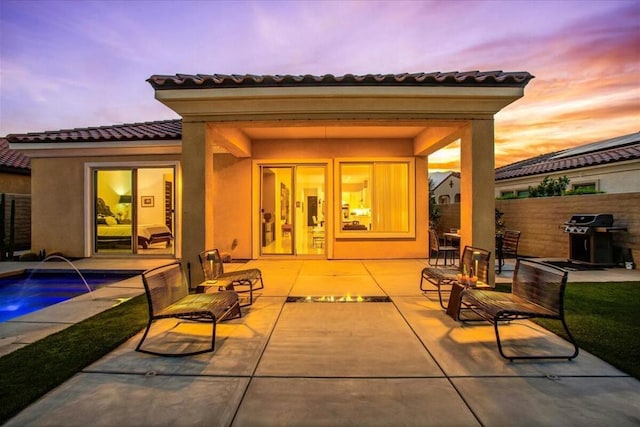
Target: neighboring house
610, 166
15, 188
331, 167
446, 187
15, 170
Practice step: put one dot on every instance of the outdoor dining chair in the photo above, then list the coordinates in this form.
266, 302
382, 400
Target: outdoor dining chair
510, 241
436, 248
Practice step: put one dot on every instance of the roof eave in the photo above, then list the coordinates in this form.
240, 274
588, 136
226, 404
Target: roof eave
102, 148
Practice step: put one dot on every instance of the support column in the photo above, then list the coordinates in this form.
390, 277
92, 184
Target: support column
197, 196
477, 204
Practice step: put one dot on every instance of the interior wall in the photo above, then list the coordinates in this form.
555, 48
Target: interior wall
151, 184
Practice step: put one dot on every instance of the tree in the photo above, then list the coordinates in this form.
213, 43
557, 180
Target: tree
434, 210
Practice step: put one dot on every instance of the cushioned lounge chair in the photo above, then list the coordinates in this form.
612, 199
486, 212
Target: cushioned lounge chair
168, 297
537, 291
474, 262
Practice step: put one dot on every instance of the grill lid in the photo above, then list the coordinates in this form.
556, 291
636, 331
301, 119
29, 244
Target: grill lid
591, 220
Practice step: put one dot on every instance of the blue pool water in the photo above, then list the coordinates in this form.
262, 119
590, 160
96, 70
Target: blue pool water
23, 294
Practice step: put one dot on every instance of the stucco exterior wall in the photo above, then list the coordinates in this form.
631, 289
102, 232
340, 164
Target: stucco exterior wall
15, 183
359, 148
58, 201
232, 205
623, 177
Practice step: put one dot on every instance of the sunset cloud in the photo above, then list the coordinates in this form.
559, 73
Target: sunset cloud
76, 64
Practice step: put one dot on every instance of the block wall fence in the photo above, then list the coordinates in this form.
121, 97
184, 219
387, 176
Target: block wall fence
541, 220
22, 220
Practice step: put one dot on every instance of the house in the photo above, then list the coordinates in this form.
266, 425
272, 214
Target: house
446, 187
275, 166
15, 170
610, 166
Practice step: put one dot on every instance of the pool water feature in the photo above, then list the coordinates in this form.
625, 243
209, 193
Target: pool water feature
29, 292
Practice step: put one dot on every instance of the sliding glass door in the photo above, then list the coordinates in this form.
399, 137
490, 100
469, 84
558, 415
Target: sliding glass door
134, 210
292, 209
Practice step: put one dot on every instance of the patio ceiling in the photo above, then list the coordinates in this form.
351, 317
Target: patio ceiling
333, 132
427, 136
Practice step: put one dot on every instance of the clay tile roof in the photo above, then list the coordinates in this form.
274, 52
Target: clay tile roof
160, 130
455, 78
613, 150
13, 161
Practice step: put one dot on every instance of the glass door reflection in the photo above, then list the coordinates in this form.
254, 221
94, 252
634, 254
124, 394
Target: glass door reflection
276, 204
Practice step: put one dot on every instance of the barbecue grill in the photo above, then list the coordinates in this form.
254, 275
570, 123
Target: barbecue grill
590, 238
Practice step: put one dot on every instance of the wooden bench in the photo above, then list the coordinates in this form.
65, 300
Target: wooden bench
537, 292
168, 297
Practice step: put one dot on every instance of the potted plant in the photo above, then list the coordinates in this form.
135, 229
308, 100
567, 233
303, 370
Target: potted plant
499, 222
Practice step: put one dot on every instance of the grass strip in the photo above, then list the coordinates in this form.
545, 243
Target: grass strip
30, 372
604, 319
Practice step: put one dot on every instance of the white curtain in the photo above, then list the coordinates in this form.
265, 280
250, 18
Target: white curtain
390, 194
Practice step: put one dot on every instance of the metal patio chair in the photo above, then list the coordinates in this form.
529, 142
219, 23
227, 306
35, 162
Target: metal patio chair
437, 248
213, 268
510, 241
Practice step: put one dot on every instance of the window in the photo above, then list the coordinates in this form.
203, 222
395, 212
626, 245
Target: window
443, 200
377, 198
584, 186
506, 194
523, 193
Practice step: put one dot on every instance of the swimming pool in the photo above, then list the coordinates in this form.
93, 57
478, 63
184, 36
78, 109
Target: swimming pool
29, 292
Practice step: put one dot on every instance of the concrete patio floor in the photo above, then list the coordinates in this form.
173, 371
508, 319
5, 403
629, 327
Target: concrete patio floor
334, 364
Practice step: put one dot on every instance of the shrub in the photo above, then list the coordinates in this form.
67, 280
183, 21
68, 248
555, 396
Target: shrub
550, 187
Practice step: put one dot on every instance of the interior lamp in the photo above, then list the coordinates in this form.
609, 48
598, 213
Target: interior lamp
125, 199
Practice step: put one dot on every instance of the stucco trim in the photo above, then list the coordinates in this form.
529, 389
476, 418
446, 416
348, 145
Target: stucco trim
107, 148
337, 102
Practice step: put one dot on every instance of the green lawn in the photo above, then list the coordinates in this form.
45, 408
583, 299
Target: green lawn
604, 318
32, 371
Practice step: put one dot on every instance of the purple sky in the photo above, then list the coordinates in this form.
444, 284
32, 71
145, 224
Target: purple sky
67, 64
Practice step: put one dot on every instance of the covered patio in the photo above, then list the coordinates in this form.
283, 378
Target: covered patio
403, 362
234, 125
